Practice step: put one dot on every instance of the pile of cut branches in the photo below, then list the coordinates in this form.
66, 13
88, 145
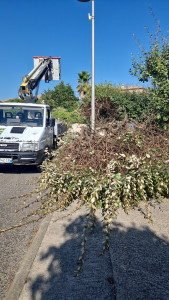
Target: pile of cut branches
98, 149
119, 166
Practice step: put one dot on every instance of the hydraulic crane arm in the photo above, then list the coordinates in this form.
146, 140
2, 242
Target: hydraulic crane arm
47, 68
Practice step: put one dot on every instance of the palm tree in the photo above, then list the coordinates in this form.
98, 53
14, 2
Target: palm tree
83, 83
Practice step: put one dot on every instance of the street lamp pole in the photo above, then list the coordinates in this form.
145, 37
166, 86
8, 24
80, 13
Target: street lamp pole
93, 67
93, 73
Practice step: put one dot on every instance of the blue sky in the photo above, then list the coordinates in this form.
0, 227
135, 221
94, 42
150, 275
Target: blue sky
61, 28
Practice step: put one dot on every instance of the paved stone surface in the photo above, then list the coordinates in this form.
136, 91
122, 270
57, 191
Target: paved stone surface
140, 255
52, 274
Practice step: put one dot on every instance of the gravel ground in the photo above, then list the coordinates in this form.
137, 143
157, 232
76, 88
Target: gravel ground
15, 181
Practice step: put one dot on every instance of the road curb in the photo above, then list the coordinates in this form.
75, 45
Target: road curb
21, 276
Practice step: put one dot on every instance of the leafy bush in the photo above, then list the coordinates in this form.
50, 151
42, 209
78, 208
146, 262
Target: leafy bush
103, 91
138, 106
70, 117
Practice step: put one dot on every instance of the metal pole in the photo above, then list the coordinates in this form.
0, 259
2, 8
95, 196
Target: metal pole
93, 73
93, 68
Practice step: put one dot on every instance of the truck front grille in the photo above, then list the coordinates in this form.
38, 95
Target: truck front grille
9, 146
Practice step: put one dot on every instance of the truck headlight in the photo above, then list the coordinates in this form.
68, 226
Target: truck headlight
29, 147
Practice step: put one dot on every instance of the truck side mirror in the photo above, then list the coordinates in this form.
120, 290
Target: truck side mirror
52, 122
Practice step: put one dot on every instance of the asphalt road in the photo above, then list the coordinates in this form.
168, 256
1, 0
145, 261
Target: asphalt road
14, 182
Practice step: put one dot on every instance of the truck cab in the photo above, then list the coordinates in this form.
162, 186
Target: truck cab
26, 130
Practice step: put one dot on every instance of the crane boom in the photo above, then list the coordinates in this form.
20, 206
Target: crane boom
47, 68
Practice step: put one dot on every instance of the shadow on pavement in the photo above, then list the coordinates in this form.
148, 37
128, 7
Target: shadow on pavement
94, 282
140, 266
6, 169
140, 263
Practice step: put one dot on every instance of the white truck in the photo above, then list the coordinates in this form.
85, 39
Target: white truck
27, 129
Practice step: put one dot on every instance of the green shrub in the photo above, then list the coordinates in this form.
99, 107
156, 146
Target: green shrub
137, 105
70, 117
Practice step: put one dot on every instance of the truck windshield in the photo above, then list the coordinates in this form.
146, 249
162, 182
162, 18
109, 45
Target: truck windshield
21, 116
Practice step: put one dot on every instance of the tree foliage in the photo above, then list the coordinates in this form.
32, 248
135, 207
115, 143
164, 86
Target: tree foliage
83, 82
61, 96
152, 66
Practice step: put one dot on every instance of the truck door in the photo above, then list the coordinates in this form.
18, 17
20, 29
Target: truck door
48, 130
